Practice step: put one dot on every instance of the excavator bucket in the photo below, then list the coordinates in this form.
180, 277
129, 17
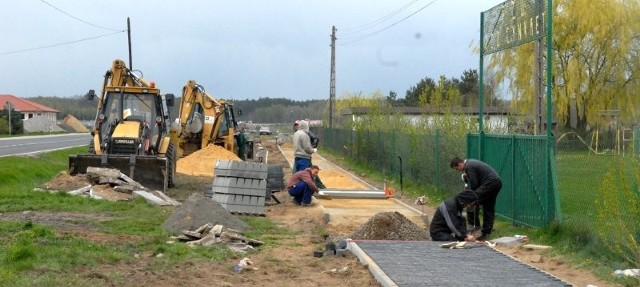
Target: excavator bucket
149, 171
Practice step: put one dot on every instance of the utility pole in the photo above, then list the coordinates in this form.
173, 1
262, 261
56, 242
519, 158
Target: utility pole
8, 106
129, 38
332, 84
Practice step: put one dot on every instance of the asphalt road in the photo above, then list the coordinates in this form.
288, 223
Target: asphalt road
37, 144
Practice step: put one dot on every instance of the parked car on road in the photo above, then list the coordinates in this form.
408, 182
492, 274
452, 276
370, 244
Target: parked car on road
264, 131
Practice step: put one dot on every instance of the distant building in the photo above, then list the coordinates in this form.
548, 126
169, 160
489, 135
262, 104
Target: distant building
45, 116
495, 120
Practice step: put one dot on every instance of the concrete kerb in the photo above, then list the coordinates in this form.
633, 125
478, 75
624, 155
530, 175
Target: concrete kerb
351, 174
285, 157
365, 260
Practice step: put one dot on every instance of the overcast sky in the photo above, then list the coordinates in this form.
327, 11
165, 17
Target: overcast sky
242, 49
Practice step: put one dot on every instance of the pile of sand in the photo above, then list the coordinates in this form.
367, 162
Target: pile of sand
202, 162
72, 124
390, 226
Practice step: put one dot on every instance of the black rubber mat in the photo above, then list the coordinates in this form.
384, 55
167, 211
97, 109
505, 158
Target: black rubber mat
425, 263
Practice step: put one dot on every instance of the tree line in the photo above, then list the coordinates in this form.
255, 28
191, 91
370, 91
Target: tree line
262, 110
282, 110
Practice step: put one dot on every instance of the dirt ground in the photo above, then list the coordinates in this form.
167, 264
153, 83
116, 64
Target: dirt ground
290, 264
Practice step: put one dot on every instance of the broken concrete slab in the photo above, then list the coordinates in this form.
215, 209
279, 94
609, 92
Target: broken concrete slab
507, 240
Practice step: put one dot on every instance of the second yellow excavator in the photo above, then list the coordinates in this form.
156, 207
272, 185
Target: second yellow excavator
204, 120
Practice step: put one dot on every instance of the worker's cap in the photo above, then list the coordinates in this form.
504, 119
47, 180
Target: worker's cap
296, 123
467, 196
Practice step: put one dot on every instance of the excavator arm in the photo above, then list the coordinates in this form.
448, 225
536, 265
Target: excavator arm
120, 76
204, 120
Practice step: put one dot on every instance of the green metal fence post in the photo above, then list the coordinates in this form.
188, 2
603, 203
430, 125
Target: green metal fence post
513, 194
437, 159
481, 146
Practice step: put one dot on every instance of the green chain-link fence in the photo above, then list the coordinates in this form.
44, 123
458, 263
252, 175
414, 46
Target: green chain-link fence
539, 186
419, 158
528, 195
598, 178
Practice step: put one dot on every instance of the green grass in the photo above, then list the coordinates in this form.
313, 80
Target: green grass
580, 176
33, 254
267, 230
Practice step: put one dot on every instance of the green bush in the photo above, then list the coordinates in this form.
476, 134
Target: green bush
618, 211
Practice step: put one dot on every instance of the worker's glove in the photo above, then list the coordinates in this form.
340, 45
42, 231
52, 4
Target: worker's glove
315, 150
464, 177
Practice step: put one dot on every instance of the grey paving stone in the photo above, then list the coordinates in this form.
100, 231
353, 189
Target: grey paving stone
425, 263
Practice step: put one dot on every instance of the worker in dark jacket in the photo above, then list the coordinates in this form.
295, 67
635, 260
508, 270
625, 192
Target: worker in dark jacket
448, 224
302, 185
485, 181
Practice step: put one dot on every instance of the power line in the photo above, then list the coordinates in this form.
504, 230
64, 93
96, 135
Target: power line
363, 27
360, 38
59, 44
74, 17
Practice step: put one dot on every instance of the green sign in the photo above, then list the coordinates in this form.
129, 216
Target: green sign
513, 23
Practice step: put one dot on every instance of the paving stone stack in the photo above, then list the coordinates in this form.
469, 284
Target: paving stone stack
240, 187
275, 179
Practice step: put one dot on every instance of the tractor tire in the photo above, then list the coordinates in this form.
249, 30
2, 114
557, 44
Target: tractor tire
171, 165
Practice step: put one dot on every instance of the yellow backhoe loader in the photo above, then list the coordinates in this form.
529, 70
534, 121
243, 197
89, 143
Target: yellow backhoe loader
131, 131
204, 120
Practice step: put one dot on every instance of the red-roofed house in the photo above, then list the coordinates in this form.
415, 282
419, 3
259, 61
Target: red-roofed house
30, 109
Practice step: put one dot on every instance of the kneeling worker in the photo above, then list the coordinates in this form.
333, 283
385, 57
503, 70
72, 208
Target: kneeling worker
447, 223
302, 185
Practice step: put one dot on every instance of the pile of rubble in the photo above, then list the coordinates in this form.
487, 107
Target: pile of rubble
105, 183
390, 226
197, 211
202, 221
209, 234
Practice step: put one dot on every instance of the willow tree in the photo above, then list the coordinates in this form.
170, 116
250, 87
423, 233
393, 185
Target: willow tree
596, 64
